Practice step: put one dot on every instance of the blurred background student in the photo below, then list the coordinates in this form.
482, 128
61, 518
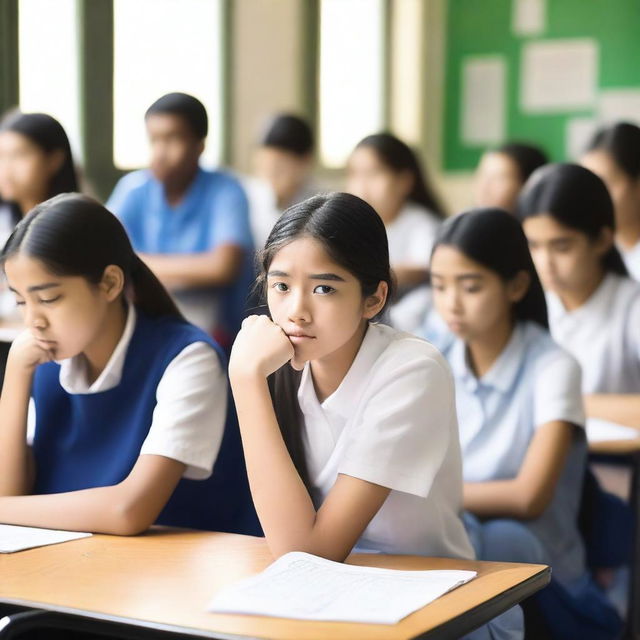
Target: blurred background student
614, 155
36, 163
190, 225
502, 173
386, 173
283, 172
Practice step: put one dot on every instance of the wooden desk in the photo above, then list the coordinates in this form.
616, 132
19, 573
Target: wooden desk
630, 448
165, 579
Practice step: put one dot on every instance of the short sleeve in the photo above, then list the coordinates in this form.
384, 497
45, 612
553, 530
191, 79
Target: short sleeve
404, 425
558, 389
189, 418
231, 223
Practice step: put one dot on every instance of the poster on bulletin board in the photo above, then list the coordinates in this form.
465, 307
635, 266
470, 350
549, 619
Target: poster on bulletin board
547, 72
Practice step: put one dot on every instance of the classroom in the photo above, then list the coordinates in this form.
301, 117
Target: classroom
320, 319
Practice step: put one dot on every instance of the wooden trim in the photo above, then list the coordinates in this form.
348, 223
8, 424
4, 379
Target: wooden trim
9, 51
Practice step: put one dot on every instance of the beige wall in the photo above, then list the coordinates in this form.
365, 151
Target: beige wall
266, 71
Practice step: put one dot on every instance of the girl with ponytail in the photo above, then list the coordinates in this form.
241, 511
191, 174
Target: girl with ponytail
129, 399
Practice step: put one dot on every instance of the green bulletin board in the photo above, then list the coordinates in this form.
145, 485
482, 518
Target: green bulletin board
478, 28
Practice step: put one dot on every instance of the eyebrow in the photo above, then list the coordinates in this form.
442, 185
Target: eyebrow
39, 287
314, 276
464, 276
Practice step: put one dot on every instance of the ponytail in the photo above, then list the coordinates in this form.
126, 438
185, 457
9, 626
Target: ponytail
148, 293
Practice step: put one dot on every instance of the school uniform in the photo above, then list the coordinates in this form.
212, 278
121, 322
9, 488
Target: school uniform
631, 259
212, 213
411, 235
163, 392
392, 422
603, 335
532, 382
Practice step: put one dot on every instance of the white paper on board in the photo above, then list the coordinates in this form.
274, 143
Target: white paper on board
559, 75
483, 100
619, 105
528, 17
579, 132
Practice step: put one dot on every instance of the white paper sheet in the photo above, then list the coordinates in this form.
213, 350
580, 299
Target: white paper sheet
619, 105
579, 132
559, 75
13, 538
483, 100
305, 587
528, 17
603, 430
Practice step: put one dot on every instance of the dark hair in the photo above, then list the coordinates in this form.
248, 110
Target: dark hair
74, 235
47, 133
576, 198
289, 133
399, 157
185, 106
495, 239
526, 157
622, 142
355, 237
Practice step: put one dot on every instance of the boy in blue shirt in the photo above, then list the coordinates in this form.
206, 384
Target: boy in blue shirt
188, 224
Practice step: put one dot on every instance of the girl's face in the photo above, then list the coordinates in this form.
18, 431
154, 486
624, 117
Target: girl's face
316, 302
25, 169
66, 314
567, 260
624, 191
472, 299
286, 172
383, 188
497, 181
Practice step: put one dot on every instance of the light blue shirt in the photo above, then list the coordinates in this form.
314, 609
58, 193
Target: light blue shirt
213, 212
532, 382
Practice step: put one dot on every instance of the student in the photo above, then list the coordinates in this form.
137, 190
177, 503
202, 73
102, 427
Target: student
614, 155
519, 408
190, 225
356, 420
129, 398
502, 173
35, 164
386, 173
594, 307
283, 165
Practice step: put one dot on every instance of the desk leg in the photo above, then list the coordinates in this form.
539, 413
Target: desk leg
633, 613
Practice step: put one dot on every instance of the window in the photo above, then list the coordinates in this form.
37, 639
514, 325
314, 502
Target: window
162, 46
351, 75
48, 63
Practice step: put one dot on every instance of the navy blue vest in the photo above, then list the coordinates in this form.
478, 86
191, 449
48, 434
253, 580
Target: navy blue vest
93, 440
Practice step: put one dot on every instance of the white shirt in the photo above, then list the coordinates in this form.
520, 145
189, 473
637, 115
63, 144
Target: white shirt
631, 259
392, 422
7, 299
411, 235
603, 335
189, 417
531, 383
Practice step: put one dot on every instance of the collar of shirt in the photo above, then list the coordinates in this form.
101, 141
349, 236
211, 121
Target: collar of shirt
503, 372
189, 199
341, 401
73, 371
598, 304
